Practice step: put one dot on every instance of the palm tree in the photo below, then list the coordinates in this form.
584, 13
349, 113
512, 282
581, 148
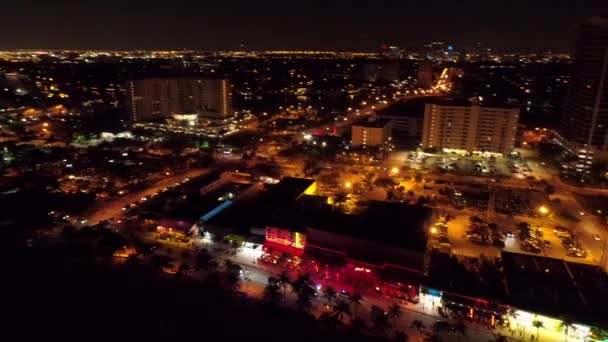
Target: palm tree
394, 311
460, 328
340, 198
160, 261
330, 294
300, 282
204, 261
433, 334
341, 308
133, 259
417, 324
432, 337
284, 279
498, 338
357, 325
213, 284
400, 336
185, 254
538, 324
271, 294
229, 264
567, 324
183, 270
304, 301
356, 299
232, 280
380, 323
330, 320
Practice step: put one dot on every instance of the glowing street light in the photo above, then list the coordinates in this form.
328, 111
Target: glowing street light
433, 230
543, 210
348, 185
395, 170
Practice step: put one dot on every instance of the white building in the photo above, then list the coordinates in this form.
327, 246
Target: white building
469, 127
373, 132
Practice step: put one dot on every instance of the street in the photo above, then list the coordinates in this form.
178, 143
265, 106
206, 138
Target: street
113, 209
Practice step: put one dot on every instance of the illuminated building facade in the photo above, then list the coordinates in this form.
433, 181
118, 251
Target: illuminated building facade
374, 132
286, 237
470, 128
156, 98
585, 116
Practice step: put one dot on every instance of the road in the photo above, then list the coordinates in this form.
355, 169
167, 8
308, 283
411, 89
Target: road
113, 209
256, 275
354, 115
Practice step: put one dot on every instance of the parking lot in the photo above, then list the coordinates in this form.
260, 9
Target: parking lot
537, 238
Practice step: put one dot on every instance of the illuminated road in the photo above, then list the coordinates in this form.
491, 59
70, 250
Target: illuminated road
438, 89
113, 209
256, 277
353, 115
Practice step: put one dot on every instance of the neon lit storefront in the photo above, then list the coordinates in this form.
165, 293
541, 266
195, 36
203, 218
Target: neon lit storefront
286, 237
524, 320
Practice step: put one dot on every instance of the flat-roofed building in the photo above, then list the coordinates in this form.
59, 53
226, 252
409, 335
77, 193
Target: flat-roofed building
469, 127
157, 98
372, 132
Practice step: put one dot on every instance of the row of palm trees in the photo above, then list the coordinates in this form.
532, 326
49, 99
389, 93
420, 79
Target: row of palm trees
567, 325
340, 308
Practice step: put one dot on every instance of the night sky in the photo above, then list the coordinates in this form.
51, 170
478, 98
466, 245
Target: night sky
515, 25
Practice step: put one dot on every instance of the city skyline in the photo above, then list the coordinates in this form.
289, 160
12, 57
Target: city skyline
352, 170
341, 25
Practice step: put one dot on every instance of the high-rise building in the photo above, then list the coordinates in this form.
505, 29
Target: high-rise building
469, 127
425, 73
155, 98
585, 113
372, 132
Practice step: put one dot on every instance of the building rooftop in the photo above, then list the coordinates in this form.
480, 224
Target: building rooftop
289, 188
555, 287
373, 122
260, 211
393, 224
462, 102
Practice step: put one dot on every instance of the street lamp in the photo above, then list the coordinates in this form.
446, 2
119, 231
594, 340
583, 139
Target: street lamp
543, 211
433, 230
395, 170
348, 185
